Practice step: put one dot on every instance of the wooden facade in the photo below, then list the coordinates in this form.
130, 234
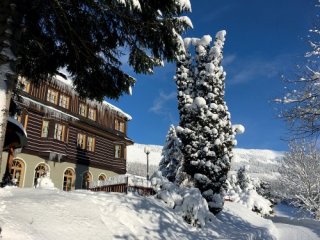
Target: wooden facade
54, 125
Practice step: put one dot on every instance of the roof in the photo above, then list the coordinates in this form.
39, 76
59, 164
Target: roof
67, 85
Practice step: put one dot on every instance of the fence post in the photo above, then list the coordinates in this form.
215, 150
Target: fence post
127, 184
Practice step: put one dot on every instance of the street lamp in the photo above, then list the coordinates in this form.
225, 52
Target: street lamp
147, 151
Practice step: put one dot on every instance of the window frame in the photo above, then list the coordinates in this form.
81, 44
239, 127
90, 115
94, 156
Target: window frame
67, 97
118, 154
92, 147
66, 184
24, 84
86, 109
119, 125
94, 110
63, 132
49, 93
42, 129
84, 143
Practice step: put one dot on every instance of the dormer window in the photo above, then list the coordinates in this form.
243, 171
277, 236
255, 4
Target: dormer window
64, 101
83, 109
52, 96
92, 114
119, 125
24, 84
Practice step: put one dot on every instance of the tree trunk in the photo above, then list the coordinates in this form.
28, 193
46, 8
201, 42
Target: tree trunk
8, 61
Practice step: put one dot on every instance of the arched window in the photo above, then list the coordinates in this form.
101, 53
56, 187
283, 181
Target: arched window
86, 180
69, 179
41, 170
17, 171
102, 177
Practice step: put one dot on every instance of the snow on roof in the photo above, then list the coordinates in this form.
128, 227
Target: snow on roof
47, 108
67, 85
127, 116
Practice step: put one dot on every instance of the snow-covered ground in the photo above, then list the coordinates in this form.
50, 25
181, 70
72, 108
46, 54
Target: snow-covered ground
263, 163
37, 214
295, 225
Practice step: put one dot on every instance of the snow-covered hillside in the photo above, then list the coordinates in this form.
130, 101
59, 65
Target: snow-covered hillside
263, 163
37, 214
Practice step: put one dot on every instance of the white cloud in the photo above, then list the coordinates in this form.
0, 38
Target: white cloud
228, 59
161, 106
158, 106
248, 70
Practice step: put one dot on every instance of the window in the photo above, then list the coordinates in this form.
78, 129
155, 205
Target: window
81, 141
83, 109
91, 144
68, 180
59, 131
118, 151
64, 101
102, 177
17, 172
40, 171
24, 84
92, 114
86, 180
119, 125
45, 129
52, 96
23, 121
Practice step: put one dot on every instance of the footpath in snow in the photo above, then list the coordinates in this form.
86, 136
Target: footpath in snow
295, 225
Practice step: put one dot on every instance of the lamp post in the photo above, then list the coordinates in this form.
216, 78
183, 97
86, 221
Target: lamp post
147, 151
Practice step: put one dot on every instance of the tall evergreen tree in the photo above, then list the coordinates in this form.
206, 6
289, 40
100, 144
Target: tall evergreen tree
88, 38
207, 136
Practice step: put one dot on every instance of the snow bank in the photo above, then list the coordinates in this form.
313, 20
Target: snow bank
242, 189
33, 214
187, 201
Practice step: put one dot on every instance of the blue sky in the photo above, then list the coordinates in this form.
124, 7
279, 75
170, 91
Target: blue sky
265, 39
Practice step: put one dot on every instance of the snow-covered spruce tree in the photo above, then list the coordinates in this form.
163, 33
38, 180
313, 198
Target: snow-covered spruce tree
207, 135
171, 155
242, 189
244, 180
300, 178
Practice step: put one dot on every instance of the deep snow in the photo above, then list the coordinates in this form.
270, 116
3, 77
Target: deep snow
37, 214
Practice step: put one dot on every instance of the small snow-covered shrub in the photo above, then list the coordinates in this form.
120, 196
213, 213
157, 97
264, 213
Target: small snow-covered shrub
45, 182
188, 202
269, 190
194, 207
242, 189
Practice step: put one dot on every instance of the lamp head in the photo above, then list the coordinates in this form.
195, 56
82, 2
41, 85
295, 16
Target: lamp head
146, 150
